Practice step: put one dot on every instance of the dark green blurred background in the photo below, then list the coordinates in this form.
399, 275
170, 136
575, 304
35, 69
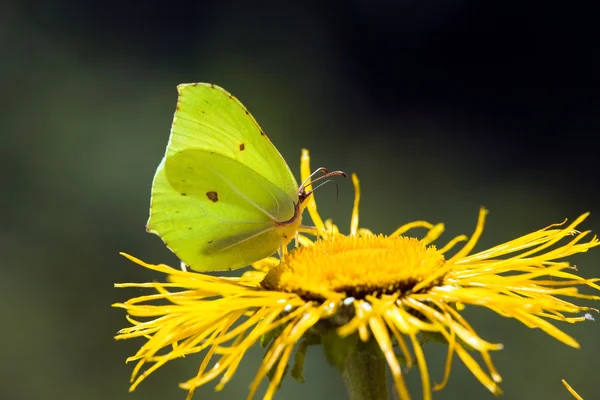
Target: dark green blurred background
439, 108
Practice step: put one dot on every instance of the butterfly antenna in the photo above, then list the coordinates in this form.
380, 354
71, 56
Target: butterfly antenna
326, 174
321, 184
317, 171
337, 195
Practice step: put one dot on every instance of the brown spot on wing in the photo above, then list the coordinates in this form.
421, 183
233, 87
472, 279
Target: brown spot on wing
212, 196
242, 146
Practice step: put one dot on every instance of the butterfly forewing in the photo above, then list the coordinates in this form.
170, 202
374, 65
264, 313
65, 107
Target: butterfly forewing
210, 118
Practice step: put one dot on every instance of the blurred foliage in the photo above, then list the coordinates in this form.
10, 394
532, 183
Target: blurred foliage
438, 110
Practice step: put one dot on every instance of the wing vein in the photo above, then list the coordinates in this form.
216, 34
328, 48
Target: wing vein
241, 194
244, 240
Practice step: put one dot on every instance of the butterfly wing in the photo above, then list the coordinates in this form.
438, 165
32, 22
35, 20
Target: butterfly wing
216, 213
210, 118
222, 185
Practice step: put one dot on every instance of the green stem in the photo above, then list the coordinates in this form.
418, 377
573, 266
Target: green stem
364, 373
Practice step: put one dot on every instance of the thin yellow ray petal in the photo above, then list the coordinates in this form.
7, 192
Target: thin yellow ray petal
270, 359
290, 335
515, 245
161, 267
548, 328
474, 367
453, 243
194, 346
434, 233
310, 317
425, 382
365, 232
267, 324
576, 281
412, 225
194, 337
354, 219
379, 329
217, 369
462, 332
571, 390
234, 365
476, 370
491, 367
397, 317
265, 316
408, 323
466, 249
523, 242
390, 321
565, 250
207, 359
312, 204
448, 364
433, 277
304, 241
281, 367
563, 232
362, 311
266, 264
330, 230
233, 354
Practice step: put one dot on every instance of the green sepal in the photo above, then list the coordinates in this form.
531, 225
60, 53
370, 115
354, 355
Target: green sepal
266, 339
298, 368
338, 348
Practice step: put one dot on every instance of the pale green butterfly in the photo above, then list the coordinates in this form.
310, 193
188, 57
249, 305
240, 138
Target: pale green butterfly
223, 197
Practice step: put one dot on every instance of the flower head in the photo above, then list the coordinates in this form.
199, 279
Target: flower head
393, 291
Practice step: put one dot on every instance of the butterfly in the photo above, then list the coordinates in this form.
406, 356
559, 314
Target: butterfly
223, 196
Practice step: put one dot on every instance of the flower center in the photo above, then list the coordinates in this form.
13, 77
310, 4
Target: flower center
353, 266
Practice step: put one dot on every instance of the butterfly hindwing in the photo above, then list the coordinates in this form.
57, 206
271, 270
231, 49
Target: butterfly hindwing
214, 212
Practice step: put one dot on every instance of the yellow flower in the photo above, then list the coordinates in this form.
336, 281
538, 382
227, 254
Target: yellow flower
393, 292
